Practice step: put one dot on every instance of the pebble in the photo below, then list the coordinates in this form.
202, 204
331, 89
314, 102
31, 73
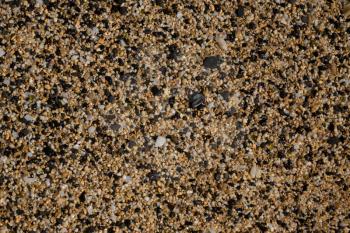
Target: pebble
7, 81
240, 11
29, 118
160, 141
90, 210
219, 38
92, 129
212, 62
2, 52
29, 180
127, 179
196, 100
255, 171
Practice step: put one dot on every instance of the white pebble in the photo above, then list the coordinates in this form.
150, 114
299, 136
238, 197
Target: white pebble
95, 31
127, 179
160, 141
123, 43
90, 210
14, 134
30, 154
29, 118
2, 52
255, 171
221, 41
29, 180
7, 81
92, 129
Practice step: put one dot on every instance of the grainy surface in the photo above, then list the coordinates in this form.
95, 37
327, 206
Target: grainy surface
174, 116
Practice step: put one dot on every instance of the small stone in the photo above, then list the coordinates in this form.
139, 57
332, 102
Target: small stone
156, 91
29, 180
173, 52
7, 81
153, 176
115, 127
49, 151
196, 100
221, 41
225, 95
212, 62
29, 118
160, 141
127, 179
240, 11
90, 210
333, 140
123, 10
14, 134
255, 172
2, 52
92, 129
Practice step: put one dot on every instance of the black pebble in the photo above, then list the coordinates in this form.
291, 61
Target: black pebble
111, 99
225, 95
24, 132
251, 26
196, 100
123, 10
333, 140
156, 91
174, 52
171, 101
82, 197
49, 151
240, 11
212, 62
153, 176
109, 80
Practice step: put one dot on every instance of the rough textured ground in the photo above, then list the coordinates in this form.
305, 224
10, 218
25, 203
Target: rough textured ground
174, 116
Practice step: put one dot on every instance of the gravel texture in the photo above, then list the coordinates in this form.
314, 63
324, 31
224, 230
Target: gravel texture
174, 116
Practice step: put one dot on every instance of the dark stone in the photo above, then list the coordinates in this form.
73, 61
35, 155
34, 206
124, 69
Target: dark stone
171, 101
156, 91
231, 37
23, 133
153, 176
333, 140
251, 26
90, 229
131, 144
82, 197
109, 80
111, 99
196, 100
288, 164
225, 95
217, 7
49, 151
212, 62
123, 10
230, 112
173, 52
240, 11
